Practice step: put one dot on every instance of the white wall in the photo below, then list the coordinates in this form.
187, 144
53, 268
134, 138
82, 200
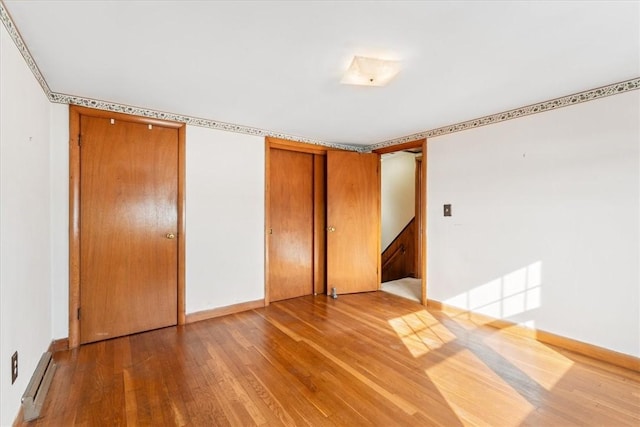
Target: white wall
545, 225
397, 194
60, 219
225, 219
25, 224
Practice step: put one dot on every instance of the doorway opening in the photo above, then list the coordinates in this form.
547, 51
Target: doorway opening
403, 213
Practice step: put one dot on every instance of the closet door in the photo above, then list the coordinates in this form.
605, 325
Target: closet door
353, 222
291, 228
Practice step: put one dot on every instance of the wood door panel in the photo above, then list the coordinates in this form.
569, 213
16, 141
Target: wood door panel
353, 210
291, 249
128, 199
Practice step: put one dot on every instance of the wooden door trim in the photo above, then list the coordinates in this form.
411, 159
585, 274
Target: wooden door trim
400, 147
74, 209
423, 222
419, 143
319, 225
419, 187
182, 229
301, 147
284, 144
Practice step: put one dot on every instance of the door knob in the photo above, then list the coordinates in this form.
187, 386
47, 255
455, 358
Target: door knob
331, 229
171, 236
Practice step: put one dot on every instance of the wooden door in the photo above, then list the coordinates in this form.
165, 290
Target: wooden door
291, 228
128, 227
353, 222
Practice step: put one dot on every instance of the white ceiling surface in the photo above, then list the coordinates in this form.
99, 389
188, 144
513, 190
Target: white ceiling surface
278, 65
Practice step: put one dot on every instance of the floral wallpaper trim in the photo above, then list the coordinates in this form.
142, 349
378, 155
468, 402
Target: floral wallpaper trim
588, 95
120, 108
195, 121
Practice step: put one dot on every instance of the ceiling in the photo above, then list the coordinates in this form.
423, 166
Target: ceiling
277, 65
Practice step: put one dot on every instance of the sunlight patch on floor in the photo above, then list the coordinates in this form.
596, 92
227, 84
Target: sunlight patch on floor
420, 332
544, 365
514, 296
469, 392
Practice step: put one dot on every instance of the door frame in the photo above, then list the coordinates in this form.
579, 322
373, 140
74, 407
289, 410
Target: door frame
74, 209
319, 244
421, 209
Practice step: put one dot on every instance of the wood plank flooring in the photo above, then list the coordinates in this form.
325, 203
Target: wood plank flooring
363, 359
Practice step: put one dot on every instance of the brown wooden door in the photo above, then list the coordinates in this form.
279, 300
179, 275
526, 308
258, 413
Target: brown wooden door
353, 222
128, 227
291, 244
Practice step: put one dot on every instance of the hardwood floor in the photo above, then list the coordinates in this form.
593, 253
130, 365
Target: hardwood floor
363, 359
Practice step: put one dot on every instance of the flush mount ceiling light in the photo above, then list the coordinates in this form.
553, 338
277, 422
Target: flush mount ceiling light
370, 71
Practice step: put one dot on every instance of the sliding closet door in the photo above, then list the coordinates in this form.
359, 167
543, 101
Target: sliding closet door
291, 232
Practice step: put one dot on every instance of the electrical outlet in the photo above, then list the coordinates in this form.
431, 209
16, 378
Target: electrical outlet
14, 367
447, 210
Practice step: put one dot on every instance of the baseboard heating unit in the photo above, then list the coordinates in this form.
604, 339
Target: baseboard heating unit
33, 397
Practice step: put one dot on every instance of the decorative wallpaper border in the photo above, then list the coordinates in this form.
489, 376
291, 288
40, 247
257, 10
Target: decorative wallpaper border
588, 95
195, 121
577, 98
121, 108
